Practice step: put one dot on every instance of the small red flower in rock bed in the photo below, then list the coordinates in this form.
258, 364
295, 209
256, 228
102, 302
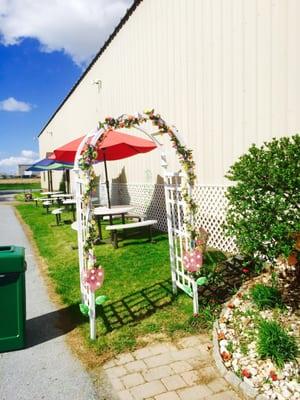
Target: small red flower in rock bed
246, 373
245, 270
273, 375
226, 356
221, 335
292, 259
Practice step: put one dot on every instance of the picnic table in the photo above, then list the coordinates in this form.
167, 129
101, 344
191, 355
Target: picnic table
100, 212
72, 203
46, 201
49, 194
63, 195
122, 211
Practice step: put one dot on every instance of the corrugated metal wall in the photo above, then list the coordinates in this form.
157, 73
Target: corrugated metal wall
225, 72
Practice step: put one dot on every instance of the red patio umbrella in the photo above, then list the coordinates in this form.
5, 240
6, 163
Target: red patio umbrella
114, 146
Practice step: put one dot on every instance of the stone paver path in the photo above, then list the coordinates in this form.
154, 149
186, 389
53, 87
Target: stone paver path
181, 371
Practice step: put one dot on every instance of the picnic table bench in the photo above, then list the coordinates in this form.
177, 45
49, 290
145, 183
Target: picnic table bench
57, 212
114, 229
44, 199
46, 204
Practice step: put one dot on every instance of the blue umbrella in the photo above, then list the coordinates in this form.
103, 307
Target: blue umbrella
48, 165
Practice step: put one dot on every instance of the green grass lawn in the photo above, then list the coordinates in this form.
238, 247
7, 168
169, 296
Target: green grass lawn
20, 186
137, 283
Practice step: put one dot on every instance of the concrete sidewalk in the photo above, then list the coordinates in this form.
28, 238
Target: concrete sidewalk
46, 369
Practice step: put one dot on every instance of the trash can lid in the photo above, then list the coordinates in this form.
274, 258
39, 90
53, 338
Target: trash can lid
12, 259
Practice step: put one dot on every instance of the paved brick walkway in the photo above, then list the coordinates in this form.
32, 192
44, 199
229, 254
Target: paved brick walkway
181, 371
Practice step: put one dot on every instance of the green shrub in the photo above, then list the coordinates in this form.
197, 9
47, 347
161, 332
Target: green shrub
266, 296
264, 203
275, 343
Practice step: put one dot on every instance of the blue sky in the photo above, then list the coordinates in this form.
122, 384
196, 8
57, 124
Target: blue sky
41, 80
42, 54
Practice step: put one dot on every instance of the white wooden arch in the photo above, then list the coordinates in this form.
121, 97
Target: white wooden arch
176, 207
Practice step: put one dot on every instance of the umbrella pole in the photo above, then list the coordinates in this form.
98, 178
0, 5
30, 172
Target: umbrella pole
50, 185
48, 179
51, 182
68, 180
106, 181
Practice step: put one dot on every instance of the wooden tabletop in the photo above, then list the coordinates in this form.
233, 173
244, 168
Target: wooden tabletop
62, 195
69, 201
114, 210
49, 193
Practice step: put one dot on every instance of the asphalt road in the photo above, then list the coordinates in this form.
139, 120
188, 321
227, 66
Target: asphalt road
46, 369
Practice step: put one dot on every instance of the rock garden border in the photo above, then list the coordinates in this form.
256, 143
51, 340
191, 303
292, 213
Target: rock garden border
238, 384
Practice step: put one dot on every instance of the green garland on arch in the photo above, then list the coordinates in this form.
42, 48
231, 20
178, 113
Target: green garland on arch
86, 162
184, 154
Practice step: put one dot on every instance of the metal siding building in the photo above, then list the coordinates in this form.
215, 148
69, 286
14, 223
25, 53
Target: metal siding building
224, 72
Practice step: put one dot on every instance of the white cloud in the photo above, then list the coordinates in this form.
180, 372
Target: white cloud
10, 164
11, 104
77, 27
29, 154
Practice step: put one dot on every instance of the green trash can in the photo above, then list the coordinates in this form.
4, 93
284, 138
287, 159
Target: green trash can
12, 298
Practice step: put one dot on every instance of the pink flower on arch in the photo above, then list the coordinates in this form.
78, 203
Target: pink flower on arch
93, 278
193, 260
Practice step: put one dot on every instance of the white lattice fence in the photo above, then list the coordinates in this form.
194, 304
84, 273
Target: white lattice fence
212, 205
149, 200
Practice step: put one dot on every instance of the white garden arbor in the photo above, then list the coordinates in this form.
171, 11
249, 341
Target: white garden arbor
180, 206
